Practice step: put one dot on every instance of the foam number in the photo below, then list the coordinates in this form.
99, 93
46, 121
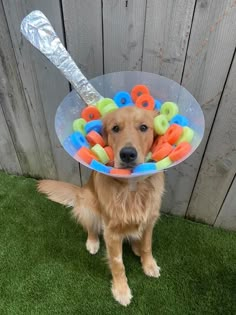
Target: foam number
120, 171
78, 125
161, 124
173, 133
158, 105
99, 167
85, 155
180, 120
166, 162
145, 101
180, 151
145, 167
139, 90
90, 113
78, 140
106, 105
187, 135
122, 99
95, 138
100, 153
169, 109
162, 151
95, 125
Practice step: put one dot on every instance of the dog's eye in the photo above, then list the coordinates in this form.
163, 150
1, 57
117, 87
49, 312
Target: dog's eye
116, 129
143, 128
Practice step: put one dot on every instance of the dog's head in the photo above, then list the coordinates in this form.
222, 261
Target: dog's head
129, 131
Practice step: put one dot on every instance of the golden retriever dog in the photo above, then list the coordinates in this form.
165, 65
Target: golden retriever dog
118, 208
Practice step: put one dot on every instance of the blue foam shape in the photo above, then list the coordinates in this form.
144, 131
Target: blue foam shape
180, 120
99, 167
145, 167
69, 147
95, 125
122, 99
158, 104
78, 140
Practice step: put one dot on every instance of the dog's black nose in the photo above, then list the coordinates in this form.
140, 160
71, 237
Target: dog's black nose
128, 154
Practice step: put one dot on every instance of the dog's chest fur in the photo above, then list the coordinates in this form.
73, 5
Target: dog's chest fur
126, 208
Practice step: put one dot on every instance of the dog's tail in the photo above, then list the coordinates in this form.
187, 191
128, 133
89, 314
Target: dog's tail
60, 192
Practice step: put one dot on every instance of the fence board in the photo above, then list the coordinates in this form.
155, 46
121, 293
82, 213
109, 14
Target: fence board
227, 216
123, 24
167, 30
83, 26
8, 159
14, 107
44, 87
219, 164
209, 55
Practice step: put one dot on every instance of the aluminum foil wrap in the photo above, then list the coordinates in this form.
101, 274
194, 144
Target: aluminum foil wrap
40, 33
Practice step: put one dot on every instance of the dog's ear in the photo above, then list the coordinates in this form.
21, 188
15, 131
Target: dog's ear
104, 135
104, 130
155, 113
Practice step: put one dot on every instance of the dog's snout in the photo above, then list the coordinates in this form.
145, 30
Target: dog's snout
128, 154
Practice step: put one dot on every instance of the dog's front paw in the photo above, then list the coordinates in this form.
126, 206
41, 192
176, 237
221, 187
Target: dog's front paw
92, 246
122, 294
151, 269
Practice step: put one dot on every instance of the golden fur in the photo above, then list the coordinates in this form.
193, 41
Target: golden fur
118, 208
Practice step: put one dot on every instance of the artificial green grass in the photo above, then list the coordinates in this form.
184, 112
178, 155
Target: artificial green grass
45, 268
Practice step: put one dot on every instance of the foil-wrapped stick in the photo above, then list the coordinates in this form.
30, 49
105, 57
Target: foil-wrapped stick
39, 32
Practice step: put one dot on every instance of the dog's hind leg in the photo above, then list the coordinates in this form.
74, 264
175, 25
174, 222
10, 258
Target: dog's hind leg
92, 224
92, 243
84, 203
135, 245
86, 213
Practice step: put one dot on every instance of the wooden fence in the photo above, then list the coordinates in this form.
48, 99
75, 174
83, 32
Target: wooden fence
189, 41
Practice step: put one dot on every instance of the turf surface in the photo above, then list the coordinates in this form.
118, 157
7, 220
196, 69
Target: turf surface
45, 268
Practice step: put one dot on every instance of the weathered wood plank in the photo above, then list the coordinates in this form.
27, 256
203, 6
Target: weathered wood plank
8, 159
209, 55
84, 38
13, 105
83, 26
123, 24
44, 88
219, 165
227, 216
167, 30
